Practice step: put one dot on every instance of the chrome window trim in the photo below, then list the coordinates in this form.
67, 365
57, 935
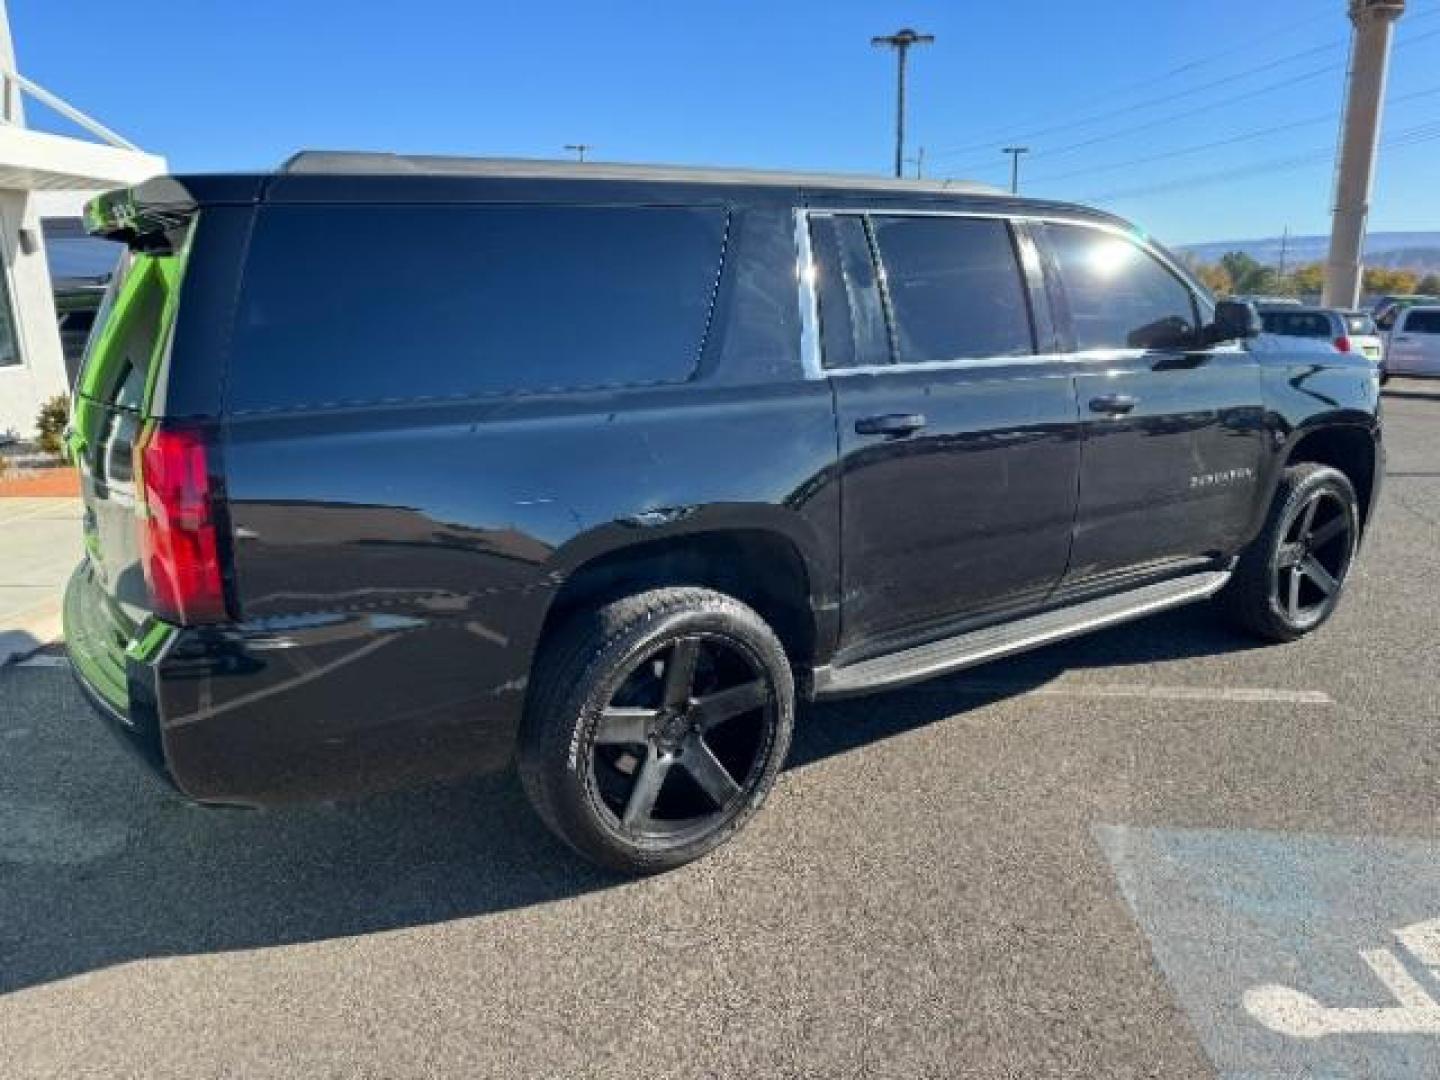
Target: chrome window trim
811, 360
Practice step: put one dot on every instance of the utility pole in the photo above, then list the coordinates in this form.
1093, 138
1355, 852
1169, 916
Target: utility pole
1284, 250
919, 162
1374, 22
579, 149
1015, 152
901, 41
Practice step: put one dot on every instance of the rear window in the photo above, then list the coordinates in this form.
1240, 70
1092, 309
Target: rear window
368, 304
1359, 324
1422, 322
1297, 323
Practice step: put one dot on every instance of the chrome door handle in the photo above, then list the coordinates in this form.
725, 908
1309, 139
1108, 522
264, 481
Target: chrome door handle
1113, 404
894, 425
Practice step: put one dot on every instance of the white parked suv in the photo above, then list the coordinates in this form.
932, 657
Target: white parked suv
1414, 346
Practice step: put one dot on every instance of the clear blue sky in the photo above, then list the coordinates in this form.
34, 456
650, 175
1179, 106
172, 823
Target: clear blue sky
216, 85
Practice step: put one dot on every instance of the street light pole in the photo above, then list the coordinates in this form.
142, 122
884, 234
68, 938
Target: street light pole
901, 41
1015, 152
579, 149
1374, 22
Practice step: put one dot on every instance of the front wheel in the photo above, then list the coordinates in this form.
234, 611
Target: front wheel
1288, 581
656, 727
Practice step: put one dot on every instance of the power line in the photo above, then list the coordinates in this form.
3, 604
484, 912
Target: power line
1145, 104
1421, 133
1322, 118
1170, 118
979, 165
1148, 83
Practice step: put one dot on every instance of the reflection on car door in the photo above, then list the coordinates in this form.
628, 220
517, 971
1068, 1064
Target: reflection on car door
959, 443
1174, 439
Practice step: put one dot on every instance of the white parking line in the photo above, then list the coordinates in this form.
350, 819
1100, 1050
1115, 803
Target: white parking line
44, 661
1136, 691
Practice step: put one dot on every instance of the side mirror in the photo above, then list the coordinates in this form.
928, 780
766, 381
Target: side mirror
1235, 320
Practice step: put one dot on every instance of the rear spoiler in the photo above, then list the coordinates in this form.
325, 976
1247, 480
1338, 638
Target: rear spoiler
153, 217
150, 218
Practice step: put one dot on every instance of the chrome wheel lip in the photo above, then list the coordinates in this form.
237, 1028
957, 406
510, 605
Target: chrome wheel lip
1297, 558
671, 751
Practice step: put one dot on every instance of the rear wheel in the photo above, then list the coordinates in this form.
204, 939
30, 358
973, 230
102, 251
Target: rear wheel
1288, 582
656, 727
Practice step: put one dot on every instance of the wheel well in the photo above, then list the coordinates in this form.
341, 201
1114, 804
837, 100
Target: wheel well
1349, 449
762, 569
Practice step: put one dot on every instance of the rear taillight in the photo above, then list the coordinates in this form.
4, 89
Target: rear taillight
1343, 344
178, 540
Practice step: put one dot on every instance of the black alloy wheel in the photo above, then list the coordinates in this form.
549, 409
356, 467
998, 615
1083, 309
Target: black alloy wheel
683, 737
1313, 557
658, 727
1289, 580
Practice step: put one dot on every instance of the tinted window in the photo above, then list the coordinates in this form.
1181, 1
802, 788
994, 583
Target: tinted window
1422, 322
1120, 296
852, 321
955, 288
365, 303
1297, 323
77, 322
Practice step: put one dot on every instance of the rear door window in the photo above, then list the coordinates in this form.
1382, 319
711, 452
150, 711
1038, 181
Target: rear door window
357, 304
1422, 322
954, 288
1297, 323
1120, 296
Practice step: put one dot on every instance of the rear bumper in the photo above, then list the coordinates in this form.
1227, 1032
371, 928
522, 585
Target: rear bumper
318, 708
112, 670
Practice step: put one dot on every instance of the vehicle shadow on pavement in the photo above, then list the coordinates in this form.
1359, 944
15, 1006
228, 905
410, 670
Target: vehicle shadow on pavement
841, 726
100, 865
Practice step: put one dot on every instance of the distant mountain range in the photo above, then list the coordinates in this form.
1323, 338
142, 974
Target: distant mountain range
1419, 251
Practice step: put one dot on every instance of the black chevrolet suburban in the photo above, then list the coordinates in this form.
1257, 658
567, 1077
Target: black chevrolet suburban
400, 468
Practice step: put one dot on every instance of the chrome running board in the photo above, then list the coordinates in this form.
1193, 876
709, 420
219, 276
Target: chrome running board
993, 642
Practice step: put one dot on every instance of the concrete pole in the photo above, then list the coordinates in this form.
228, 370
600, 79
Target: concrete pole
1359, 140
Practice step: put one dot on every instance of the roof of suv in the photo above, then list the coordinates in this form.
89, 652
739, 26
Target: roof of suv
324, 176
361, 163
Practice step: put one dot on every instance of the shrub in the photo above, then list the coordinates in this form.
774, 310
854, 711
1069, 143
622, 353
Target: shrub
54, 415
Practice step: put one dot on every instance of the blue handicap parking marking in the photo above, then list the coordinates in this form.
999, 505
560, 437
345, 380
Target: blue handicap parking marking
1293, 955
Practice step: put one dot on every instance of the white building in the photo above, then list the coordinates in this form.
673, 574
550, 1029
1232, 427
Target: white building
43, 175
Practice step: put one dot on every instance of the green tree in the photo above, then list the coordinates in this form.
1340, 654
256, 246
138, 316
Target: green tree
1430, 285
54, 415
1248, 275
1309, 278
1215, 277
1382, 279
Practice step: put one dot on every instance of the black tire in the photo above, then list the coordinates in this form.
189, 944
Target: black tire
1288, 582
613, 676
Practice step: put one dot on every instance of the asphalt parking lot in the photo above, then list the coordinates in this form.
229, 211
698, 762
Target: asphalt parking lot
1160, 851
